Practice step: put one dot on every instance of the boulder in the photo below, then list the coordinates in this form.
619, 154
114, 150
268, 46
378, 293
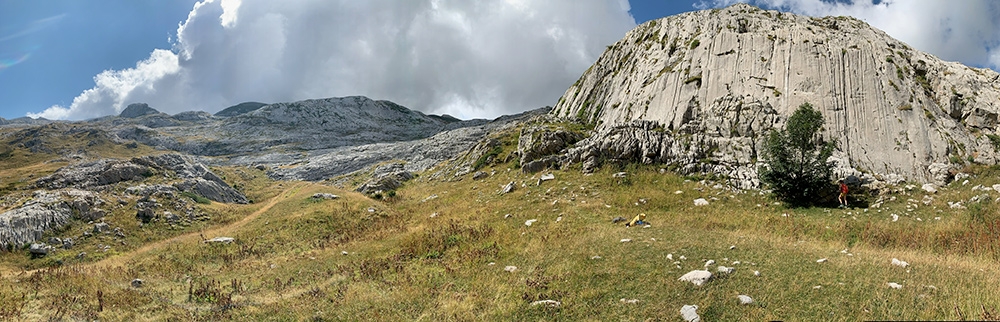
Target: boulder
39, 249
510, 187
101, 227
221, 240
327, 196
690, 313
67, 243
146, 215
386, 178
212, 190
480, 175
696, 277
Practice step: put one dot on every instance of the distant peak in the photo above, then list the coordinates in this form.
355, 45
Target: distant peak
135, 110
241, 108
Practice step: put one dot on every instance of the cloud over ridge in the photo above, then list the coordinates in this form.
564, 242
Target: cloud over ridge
465, 58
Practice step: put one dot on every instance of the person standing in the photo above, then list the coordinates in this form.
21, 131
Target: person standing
843, 193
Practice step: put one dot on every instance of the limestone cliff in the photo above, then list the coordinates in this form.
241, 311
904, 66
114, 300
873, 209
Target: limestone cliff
699, 91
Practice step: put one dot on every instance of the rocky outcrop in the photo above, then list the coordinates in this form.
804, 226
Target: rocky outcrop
386, 178
700, 90
198, 116
194, 177
538, 143
46, 211
213, 190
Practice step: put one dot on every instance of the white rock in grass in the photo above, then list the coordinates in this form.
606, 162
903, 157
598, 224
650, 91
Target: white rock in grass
682, 257
510, 269
996, 187
895, 217
670, 256
549, 303
723, 269
547, 177
697, 277
529, 222
595, 257
710, 262
900, 263
756, 273
929, 188
222, 240
744, 299
629, 301
821, 260
895, 285
626, 240
678, 192
690, 313
700, 202
732, 247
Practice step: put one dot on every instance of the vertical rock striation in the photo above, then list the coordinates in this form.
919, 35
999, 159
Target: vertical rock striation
700, 90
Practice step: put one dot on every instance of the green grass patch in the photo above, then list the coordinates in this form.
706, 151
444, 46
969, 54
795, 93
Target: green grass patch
196, 197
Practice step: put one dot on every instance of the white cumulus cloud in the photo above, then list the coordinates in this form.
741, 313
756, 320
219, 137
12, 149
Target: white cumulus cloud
966, 31
466, 58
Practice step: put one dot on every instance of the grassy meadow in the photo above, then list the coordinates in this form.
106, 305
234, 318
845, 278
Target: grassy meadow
440, 251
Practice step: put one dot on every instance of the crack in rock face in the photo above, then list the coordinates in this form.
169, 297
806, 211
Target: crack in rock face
700, 91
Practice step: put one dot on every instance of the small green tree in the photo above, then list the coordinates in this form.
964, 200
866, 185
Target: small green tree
797, 170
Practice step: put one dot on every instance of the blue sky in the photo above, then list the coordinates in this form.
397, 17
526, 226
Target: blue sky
51, 50
70, 59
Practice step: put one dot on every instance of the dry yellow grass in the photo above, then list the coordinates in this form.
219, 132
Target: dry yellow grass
438, 251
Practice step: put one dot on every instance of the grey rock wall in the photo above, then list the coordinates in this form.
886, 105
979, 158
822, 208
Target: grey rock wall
706, 87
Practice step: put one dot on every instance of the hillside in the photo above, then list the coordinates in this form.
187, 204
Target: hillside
712, 83
459, 250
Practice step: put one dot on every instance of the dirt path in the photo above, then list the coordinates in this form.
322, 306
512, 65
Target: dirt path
188, 237
196, 235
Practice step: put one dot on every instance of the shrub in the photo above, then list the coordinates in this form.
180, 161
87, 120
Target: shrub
797, 171
197, 198
695, 43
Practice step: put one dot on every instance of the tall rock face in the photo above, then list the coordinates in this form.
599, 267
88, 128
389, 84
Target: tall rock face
700, 90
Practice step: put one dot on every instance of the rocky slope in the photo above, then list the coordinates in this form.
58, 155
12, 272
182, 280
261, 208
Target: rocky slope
699, 91
79, 192
417, 155
283, 132
240, 109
